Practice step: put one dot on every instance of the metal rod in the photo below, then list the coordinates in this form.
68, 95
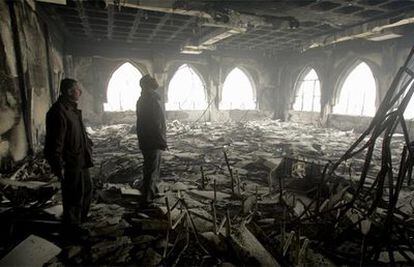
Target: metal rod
230, 171
215, 191
213, 208
228, 223
202, 178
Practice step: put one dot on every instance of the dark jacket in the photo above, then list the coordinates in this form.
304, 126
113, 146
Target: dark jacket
151, 129
67, 144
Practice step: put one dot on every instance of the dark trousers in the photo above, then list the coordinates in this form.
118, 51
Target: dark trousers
152, 163
76, 196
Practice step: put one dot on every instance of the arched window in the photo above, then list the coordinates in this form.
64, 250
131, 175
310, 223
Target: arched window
186, 90
308, 93
123, 89
358, 93
237, 91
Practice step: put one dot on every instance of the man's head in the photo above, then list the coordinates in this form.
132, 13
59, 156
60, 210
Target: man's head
148, 83
70, 89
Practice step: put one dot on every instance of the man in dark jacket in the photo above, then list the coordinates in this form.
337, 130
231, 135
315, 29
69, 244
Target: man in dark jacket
68, 151
151, 131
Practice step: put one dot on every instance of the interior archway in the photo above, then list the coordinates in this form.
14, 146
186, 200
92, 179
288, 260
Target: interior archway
186, 90
238, 92
123, 88
358, 93
308, 92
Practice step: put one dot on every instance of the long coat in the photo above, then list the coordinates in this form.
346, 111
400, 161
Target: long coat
151, 129
67, 144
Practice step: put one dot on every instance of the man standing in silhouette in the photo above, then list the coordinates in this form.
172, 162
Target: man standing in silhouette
151, 131
68, 151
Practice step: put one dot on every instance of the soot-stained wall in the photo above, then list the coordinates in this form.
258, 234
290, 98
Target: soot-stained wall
31, 66
33, 61
274, 79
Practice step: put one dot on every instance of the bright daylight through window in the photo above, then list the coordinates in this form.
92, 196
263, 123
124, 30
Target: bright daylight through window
123, 89
409, 111
186, 90
308, 94
237, 91
358, 93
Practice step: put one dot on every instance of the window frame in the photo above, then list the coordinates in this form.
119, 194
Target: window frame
300, 79
200, 76
252, 81
343, 78
140, 67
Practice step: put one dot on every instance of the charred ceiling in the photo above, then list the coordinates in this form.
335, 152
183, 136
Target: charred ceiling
264, 26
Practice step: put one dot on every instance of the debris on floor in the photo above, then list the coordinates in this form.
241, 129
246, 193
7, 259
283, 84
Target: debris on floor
252, 193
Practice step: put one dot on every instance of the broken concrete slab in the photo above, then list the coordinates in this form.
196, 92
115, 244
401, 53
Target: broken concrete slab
56, 211
248, 203
270, 162
250, 249
33, 251
216, 243
179, 186
187, 156
203, 220
130, 192
209, 194
28, 184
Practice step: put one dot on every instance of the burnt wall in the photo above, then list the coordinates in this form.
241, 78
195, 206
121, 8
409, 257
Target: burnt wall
332, 65
31, 66
35, 57
95, 72
274, 79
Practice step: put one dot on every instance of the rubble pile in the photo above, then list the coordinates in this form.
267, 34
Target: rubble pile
250, 187
252, 193
248, 145
31, 183
105, 241
31, 169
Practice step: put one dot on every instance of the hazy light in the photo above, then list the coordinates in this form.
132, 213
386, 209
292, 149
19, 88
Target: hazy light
237, 91
409, 111
358, 93
186, 91
308, 95
123, 89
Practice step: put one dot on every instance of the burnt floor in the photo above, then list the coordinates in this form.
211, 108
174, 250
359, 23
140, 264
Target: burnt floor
267, 204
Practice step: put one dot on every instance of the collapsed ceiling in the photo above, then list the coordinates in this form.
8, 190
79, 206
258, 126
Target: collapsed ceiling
197, 25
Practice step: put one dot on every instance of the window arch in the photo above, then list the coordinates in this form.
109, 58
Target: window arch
186, 90
123, 88
308, 92
238, 92
358, 93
